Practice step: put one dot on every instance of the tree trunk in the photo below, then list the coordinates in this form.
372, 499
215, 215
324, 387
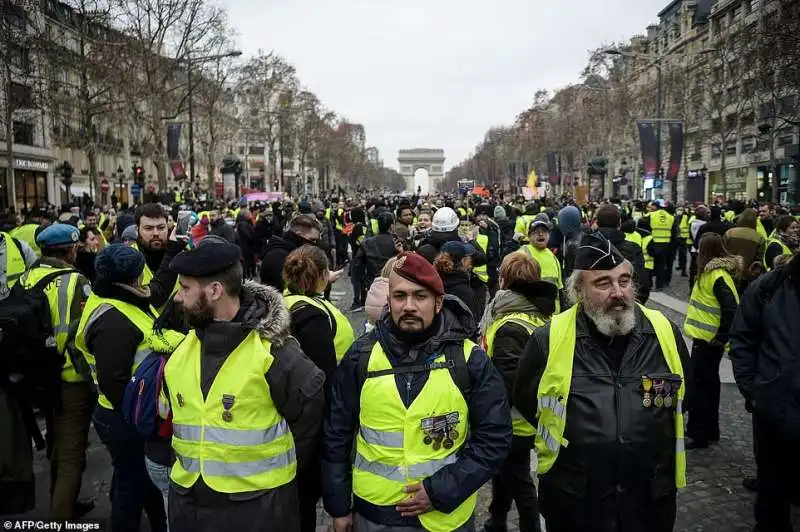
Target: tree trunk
94, 178
12, 194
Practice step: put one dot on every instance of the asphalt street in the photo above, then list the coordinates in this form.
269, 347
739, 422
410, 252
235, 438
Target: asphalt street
714, 500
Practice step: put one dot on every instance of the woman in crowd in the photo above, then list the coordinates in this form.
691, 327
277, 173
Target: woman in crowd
454, 264
709, 317
378, 294
523, 303
324, 334
783, 241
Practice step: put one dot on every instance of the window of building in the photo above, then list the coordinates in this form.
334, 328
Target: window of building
730, 122
255, 150
19, 57
241, 150
748, 144
716, 150
23, 133
736, 12
786, 105
730, 147
716, 125
784, 136
21, 96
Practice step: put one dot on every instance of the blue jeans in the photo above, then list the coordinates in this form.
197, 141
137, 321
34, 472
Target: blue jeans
131, 488
159, 475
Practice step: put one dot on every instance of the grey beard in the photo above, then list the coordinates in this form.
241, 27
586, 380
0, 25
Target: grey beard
613, 323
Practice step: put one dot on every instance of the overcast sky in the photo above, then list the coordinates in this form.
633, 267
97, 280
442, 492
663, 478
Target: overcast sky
434, 73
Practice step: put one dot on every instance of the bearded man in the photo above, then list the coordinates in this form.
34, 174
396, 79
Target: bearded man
604, 380
246, 402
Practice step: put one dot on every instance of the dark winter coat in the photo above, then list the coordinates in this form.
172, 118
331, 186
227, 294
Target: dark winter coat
618, 472
278, 248
457, 284
489, 418
764, 352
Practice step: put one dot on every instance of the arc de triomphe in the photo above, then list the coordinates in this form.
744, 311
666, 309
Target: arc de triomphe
431, 160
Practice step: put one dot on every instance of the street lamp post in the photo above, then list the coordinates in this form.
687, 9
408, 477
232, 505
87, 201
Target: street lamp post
120, 182
190, 88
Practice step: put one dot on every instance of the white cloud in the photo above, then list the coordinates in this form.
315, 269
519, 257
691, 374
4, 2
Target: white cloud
434, 73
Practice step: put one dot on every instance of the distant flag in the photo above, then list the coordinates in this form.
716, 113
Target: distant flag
533, 181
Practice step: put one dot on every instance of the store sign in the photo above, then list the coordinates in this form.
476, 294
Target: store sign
30, 164
695, 173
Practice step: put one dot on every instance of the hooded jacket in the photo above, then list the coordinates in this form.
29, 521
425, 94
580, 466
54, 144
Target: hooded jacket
535, 299
297, 389
457, 284
489, 417
724, 294
278, 248
744, 240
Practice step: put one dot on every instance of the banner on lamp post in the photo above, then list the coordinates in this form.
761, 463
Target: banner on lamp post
675, 149
647, 141
173, 149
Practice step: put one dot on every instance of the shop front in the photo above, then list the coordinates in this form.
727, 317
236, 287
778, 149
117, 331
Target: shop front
729, 186
28, 187
695, 191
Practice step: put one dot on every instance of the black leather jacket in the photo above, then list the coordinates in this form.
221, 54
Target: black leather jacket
620, 460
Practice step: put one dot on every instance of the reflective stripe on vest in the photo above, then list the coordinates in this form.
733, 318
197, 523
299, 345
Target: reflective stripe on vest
95, 307
234, 437
554, 388
393, 450
59, 294
345, 336
703, 315
784, 251
530, 323
661, 226
15, 262
482, 272
649, 261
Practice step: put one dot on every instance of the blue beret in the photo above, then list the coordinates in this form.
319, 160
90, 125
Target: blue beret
58, 235
118, 263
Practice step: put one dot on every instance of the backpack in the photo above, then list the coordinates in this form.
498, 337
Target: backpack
30, 364
142, 405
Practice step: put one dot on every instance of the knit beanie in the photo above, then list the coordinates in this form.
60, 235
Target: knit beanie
500, 213
118, 263
130, 233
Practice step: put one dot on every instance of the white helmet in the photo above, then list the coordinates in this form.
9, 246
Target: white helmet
444, 220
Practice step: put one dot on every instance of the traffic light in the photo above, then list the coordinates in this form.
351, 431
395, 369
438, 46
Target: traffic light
597, 166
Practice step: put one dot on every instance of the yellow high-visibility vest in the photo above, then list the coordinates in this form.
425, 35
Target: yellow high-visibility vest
147, 276
684, 226
548, 264
634, 237
15, 261
554, 388
60, 293
649, 261
661, 226
394, 446
689, 235
784, 251
704, 313
94, 308
530, 323
27, 234
234, 437
344, 335
482, 272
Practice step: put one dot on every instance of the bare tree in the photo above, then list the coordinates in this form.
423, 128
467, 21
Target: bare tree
215, 117
85, 88
724, 101
23, 99
166, 37
262, 81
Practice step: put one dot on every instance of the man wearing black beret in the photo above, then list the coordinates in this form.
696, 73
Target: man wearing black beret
246, 403
606, 376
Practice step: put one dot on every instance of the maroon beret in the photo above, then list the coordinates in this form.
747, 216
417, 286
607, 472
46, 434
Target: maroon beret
417, 269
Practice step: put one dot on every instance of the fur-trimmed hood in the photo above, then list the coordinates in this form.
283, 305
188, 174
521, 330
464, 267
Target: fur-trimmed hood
264, 310
734, 264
